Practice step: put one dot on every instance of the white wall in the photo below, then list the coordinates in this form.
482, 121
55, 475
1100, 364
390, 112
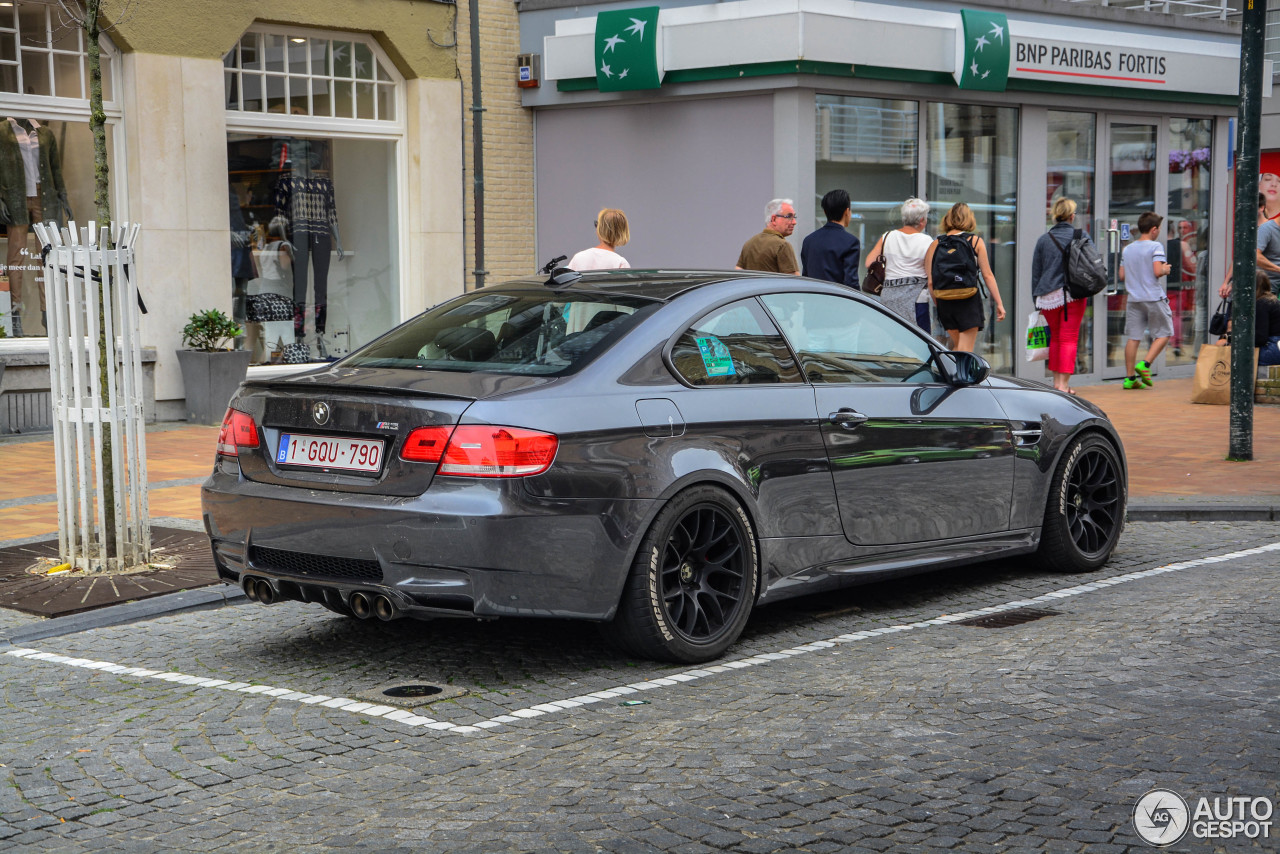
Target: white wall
175, 136
692, 176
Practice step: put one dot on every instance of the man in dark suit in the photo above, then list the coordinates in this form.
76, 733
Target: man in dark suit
832, 253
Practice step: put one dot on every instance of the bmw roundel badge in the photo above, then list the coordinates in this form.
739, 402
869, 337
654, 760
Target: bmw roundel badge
320, 412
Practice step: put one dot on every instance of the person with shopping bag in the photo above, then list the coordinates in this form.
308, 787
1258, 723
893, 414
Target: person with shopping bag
1061, 313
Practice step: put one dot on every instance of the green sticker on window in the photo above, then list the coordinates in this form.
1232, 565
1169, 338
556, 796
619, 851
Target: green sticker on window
715, 356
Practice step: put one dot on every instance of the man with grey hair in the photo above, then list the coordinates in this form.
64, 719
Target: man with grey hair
769, 250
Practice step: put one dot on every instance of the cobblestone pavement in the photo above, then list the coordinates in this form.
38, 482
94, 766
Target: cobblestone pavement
865, 720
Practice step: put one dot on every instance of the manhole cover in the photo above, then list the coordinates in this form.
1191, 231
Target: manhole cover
410, 693
1004, 619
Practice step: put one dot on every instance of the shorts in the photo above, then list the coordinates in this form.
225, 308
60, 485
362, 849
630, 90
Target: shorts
961, 314
1155, 317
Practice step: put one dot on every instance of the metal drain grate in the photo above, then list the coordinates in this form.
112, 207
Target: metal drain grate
410, 693
1004, 619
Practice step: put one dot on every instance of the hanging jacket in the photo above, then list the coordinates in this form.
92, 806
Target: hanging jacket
13, 177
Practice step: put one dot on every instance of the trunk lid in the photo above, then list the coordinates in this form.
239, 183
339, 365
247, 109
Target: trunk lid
347, 413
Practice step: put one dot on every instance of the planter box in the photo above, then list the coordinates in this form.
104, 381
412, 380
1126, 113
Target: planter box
26, 402
210, 380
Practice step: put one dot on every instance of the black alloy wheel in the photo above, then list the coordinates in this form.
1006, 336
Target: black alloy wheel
693, 583
703, 568
1086, 506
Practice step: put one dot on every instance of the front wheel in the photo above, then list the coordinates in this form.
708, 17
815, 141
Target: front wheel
1084, 514
693, 582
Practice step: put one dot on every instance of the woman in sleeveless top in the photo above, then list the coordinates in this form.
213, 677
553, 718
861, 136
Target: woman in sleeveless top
963, 318
904, 250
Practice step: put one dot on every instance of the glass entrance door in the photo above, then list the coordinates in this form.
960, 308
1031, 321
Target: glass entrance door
1131, 191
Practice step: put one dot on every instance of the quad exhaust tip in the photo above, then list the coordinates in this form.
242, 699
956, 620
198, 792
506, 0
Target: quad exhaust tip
360, 605
259, 590
385, 609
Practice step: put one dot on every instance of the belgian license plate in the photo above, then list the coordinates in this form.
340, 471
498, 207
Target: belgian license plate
330, 452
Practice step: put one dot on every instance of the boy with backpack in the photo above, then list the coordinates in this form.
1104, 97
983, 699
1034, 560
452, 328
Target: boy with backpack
1142, 265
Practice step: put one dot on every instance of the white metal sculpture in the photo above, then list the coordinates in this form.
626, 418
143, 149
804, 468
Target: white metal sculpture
93, 296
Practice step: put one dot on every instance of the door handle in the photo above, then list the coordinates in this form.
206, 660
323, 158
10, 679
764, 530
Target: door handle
848, 418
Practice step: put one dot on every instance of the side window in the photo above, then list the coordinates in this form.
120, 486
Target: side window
841, 340
733, 345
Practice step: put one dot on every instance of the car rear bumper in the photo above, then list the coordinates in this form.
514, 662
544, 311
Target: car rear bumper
466, 547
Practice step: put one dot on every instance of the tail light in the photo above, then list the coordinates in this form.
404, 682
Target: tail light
482, 450
425, 444
238, 431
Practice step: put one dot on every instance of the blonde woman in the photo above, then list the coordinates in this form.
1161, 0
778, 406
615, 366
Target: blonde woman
612, 229
963, 318
1049, 287
904, 250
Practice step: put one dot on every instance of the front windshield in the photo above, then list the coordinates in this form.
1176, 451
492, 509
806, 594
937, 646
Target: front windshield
512, 332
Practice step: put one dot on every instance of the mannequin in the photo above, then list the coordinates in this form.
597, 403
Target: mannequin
306, 200
241, 257
31, 190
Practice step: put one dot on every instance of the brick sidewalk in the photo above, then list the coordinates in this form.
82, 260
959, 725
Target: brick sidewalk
1176, 450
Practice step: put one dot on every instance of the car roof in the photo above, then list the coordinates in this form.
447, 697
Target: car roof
663, 285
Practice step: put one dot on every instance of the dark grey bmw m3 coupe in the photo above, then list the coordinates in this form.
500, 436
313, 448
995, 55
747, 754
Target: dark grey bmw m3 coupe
657, 451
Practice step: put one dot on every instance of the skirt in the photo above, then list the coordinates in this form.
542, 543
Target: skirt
899, 296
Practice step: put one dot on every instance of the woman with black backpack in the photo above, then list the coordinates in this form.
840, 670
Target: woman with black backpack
1053, 297
959, 274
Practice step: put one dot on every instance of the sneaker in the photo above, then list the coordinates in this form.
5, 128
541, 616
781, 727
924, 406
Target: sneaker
1133, 382
1144, 373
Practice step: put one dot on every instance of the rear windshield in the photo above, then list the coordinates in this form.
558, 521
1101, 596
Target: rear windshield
522, 332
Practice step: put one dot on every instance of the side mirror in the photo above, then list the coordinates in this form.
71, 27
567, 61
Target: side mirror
962, 368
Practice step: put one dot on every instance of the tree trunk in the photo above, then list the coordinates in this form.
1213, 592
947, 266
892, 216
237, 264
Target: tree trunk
102, 199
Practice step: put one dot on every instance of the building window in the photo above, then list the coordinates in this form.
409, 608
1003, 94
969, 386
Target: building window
42, 53
313, 193
1187, 233
44, 110
1272, 35
302, 75
867, 146
973, 158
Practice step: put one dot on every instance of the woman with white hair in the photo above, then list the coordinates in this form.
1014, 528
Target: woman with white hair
904, 250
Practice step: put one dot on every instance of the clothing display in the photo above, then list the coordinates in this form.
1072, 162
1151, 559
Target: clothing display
31, 190
316, 247
308, 206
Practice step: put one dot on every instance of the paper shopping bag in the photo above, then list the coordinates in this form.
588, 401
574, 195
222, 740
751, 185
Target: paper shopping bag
1212, 383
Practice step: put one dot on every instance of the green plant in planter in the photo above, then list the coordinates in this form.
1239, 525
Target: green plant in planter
209, 331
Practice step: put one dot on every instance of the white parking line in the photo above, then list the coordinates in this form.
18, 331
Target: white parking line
425, 724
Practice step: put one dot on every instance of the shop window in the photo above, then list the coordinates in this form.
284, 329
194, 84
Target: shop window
973, 158
313, 243
1187, 233
304, 75
42, 53
61, 185
867, 146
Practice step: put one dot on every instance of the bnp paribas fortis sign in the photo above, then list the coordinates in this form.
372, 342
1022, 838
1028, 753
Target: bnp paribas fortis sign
986, 51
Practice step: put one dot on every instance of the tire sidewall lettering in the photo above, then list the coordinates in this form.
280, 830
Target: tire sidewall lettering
1066, 478
655, 593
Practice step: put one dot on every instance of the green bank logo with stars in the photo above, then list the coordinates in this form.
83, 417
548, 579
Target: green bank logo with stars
986, 51
627, 50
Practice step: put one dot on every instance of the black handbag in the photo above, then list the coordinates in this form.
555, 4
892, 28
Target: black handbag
873, 281
1221, 317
